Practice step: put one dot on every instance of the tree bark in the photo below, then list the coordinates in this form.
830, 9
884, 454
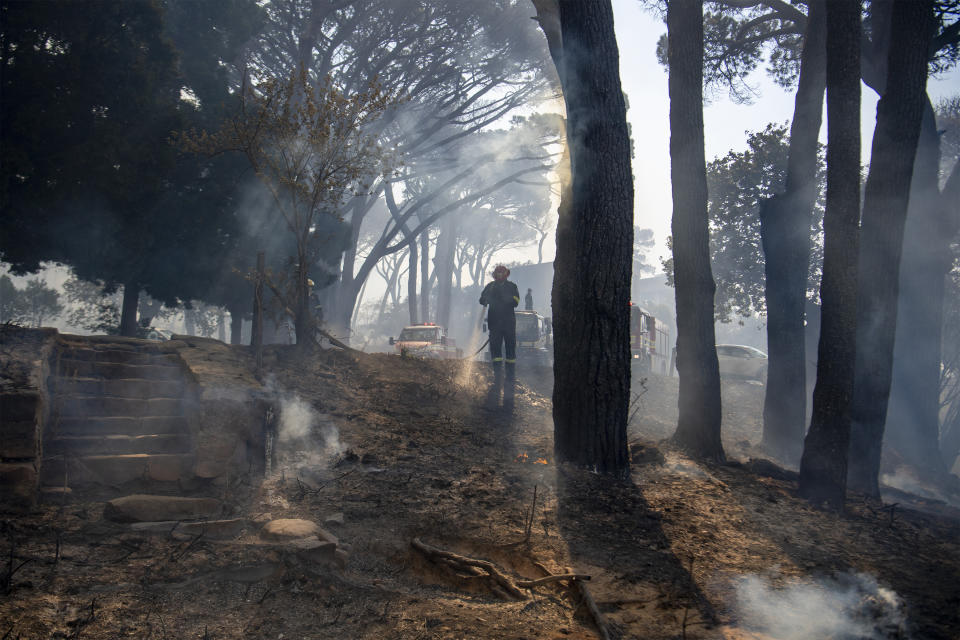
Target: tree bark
823, 466
128, 313
446, 245
591, 287
899, 114
913, 420
412, 282
785, 228
425, 276
236, 326
698, 427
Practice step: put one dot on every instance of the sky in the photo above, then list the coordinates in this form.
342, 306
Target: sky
725, 123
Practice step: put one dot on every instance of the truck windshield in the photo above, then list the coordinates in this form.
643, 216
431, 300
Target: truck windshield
527, 328
425, 334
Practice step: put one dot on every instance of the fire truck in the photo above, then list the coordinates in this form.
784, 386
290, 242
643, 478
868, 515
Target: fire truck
649, 342
426, 340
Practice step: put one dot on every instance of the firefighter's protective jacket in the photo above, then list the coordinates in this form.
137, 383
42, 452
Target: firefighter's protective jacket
502, 298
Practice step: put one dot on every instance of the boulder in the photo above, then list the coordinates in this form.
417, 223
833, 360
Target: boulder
150, 508
290, 528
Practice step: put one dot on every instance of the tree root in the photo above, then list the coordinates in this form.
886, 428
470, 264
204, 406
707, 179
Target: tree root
470, 568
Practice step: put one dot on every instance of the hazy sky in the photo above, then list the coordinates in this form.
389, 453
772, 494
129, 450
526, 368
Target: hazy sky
645, 83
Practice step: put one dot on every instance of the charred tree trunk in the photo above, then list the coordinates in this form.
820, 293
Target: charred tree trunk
128, 313
304, 322
425, 276
823, 466
698, 427
591, 286
236, 325
412, 281
446, 246
913, 420
785, 228
886, 196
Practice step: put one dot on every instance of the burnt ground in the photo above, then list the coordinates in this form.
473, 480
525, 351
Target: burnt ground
406, 449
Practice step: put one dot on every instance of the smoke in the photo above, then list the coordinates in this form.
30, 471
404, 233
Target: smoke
904, 480
848, 606
302, 432
299, 424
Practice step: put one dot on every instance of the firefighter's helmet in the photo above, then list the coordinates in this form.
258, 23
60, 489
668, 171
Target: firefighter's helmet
501, 272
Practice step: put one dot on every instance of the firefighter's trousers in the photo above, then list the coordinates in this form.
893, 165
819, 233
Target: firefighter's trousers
503, 339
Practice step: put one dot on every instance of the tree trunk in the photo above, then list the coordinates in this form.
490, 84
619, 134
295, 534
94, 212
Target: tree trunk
425, 276
886, 196
128, 313
698, 427
303, 319
785, 227
412, 282
913, 422
446, 245
236, 326
591, 287
823, 466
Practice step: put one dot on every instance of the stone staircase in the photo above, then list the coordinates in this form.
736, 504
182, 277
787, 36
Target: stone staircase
118, 419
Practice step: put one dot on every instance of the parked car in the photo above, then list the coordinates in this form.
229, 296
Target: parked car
740, 361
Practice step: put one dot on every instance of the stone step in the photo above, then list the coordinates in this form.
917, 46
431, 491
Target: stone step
118, 356
117, 444
99, 406
118, 388
72, 368
119, 425
154, 508
113, 470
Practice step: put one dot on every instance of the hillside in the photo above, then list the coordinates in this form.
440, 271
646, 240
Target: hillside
398, 458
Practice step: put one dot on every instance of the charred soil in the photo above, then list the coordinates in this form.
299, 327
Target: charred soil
383, 451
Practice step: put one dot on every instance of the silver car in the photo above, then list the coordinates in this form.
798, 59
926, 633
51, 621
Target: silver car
741, 361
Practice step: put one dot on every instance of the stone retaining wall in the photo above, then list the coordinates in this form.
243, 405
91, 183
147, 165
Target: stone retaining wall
24, 409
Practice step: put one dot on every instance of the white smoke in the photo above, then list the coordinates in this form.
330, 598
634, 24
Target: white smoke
904, 480
300, 423
849, 606
301, 428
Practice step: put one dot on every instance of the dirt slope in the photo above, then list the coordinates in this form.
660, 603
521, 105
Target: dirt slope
394, 450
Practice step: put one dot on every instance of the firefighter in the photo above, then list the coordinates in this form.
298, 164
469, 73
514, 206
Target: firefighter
528, 300
502, 296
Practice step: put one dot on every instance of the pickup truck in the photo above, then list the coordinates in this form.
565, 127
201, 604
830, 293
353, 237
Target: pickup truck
427, 340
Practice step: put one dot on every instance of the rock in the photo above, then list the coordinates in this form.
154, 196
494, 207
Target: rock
18, 484
164, 527
334, 518
326, 536
313, 550
148, 508
341, 557
212, 529
289, 528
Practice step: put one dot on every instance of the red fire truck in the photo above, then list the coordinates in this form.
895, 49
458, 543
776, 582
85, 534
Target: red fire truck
649, 342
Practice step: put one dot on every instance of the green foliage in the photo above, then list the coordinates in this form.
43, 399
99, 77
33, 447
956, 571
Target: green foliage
10, 302
90, 95
33, 305
313, 147
737, 185
93, 307
738, 39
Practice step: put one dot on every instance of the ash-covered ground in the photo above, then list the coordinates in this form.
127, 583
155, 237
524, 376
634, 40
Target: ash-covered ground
382, 451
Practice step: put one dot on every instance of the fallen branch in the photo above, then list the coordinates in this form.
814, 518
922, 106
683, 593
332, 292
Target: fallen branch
598, 619
529, 584
503, 583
